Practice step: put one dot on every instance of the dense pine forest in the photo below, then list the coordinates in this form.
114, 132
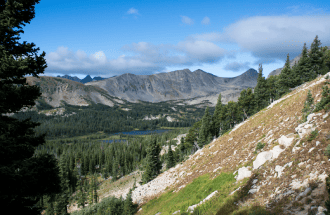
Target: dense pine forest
98, 117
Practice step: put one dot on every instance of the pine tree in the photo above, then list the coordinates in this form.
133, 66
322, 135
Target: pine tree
80, 195
315, 55
170, 159
260, 91
215, 126
95, 194
193, 133
327, 203
285, 80
153, 165
308, 106
115, 169
90, 191
233, 114
304, 68
296, 81
246, 102
62, 199
205, 133
325, 60
25, 176
129, 207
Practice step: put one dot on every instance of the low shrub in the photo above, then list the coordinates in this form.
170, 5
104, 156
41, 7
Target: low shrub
313, 135
259, 146
327, 151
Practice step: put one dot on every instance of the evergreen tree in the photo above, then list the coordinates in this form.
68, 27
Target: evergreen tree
234, 114
325, 61
26, 178
153, 165
205, 133
170, 159
246, 102
215, 126
129, 207
285, 79
325, 100
90, 192
308, 106
81, 195
303, 70
327, 203
315, 55
115, 169
50, 210
296, 81
193, 134
94, 186
62, 199
224, 122
260, 91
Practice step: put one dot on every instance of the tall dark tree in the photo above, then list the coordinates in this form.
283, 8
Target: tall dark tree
325, 60
153, 164
26, 177
193, 134
303, 71
327, 203
315, 55
234, 114
62, 199
285, 79
260, 91
170, 158
205, 134
246, 102
215, 126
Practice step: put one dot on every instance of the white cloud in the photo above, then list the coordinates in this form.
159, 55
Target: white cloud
206, 20
133, 11
236, 66
203, 51
146, 59
186, 20
268, 38
272, 37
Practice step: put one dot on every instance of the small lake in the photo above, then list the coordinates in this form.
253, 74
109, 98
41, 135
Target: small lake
142, 132
116, 141
136, 133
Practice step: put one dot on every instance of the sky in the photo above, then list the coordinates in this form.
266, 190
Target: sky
226, 38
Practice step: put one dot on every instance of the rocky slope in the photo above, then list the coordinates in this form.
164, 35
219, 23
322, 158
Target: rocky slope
287, 175
54, 90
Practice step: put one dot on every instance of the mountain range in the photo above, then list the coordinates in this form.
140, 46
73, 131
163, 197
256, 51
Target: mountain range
181, 86
87, 79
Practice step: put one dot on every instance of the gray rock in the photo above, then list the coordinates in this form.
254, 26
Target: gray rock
180, 84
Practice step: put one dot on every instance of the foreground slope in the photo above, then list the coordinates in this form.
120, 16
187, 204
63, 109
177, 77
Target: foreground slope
287, 176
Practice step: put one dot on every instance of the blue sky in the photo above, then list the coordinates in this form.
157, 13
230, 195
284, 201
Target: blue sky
226, 38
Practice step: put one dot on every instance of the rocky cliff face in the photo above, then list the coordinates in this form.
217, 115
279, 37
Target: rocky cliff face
180, 84
54, 90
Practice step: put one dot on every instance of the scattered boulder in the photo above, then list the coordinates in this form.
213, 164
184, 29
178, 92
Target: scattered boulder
243, 172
